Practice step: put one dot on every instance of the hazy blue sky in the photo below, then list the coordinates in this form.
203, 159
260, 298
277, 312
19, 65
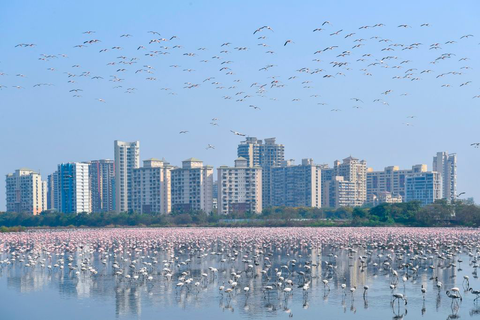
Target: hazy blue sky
45, 125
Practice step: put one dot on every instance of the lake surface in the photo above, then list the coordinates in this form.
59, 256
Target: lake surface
144, 273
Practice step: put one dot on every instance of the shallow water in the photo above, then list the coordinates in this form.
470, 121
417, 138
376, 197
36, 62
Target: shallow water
38, 292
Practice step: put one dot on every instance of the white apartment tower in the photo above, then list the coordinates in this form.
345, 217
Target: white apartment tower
340, 193
296, 185
446, 165
192, 187
151, 187
26, 192
127, 158
73, 187
425, 187
355, 171
239, 188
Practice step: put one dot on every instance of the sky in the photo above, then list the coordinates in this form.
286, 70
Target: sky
389, 104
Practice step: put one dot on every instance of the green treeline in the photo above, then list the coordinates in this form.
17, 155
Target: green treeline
440, 213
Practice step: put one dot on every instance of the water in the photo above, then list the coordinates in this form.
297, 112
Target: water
38, 292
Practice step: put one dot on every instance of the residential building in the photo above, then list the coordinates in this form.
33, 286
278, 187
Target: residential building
446, 164
192, 187
327, 175
239, 188
391, 180
296, 185
340, 193
151, 187
354, 170
73, 187
215, 196
265, 154
425, 187
102, 185
384, 197
53, 192
25, 192
127, 158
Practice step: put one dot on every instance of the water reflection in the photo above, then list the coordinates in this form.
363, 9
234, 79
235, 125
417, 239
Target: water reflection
271, 281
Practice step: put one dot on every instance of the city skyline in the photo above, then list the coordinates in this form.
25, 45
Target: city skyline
46, 125
160, 187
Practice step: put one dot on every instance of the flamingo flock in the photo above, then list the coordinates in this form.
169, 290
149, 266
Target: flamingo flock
268, 267
151, 61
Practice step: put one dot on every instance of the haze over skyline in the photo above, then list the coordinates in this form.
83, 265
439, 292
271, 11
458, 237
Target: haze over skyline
46, 125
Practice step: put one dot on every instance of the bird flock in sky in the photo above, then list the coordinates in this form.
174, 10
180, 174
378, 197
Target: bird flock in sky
338, 54
259, 266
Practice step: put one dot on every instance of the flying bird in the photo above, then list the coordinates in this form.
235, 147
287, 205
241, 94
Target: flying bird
237, 133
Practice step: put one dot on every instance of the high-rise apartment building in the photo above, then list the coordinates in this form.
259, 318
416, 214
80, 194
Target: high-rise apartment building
151, 187
391, 180
265, 154
73, 187
239, 188
340, 193
354, 170
328, 174
296, 185
127, 158
192, 187
446, 165
26, 192
425, 187
53, 192
102, 185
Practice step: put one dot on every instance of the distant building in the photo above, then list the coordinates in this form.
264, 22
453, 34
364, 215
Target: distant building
215, 196
355, 171
127, 158
296, 185
340, 193
102, 185
53, 192
446, 165
328, 174
192, 187
239, 188
265, 155
151, 187
384, 197
73, 187
391, 180
26, 192
425, 187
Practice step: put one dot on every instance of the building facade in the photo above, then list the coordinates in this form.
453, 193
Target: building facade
127, 158
391, 180
446, 164
239, 188
327, 175
425, 187
385, 197
355, 171
102, 185
265, 154
53, 192
340, 193
296, 185
192, 187
151, 187
25, 192
73, 187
